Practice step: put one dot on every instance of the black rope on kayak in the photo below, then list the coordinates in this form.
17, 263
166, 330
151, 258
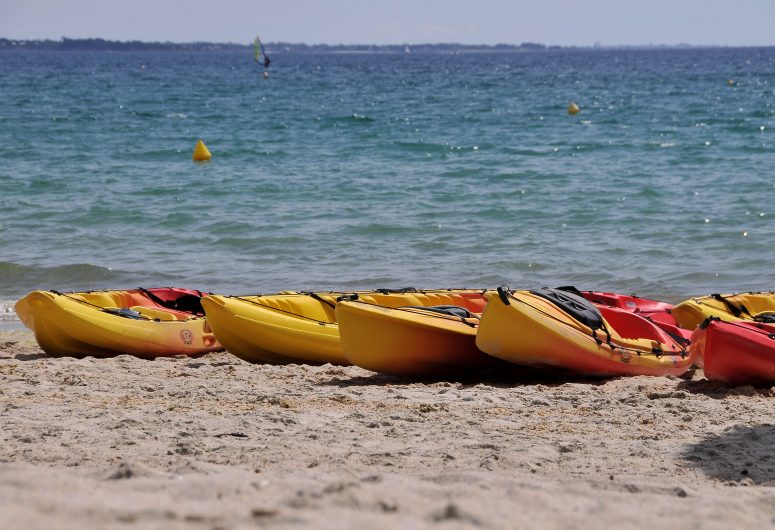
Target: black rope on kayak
735, 309
299, 315
705, 323
598, 340
319, 298
439, 312
607, 334
153, 297
613, 347
683, 341
74, 299
407, 290
429, 311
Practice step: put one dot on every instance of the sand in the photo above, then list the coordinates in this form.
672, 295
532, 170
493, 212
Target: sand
214, 442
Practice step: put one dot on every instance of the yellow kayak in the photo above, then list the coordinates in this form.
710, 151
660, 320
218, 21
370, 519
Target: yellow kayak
143, 322
294, 327
729, 307
436, 337
554, 328
278, 328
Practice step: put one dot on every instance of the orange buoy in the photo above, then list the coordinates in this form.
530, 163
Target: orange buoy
201, 152
573, 108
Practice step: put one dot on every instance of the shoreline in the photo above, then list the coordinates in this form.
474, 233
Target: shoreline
215, 442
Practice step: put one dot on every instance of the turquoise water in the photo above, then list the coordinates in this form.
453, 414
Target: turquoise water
347, 171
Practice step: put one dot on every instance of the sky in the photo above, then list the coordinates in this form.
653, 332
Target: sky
562, 22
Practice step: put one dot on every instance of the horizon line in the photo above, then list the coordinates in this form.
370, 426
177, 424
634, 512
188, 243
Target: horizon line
524, 44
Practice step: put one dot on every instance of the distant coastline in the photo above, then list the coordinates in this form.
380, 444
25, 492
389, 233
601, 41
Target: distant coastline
97, 44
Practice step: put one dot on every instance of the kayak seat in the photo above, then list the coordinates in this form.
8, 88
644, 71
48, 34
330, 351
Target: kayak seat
574, 305
188, 303
138, 312
125, 312
766, 317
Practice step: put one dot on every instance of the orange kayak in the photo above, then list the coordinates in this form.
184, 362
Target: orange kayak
556, 328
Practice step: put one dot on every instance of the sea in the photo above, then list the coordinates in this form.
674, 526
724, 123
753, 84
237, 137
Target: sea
346, 171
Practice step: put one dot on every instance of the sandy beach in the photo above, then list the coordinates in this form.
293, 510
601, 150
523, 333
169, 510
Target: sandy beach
214, 442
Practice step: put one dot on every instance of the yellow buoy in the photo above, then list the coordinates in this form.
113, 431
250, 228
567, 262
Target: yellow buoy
731, 82
201, 153
573, 108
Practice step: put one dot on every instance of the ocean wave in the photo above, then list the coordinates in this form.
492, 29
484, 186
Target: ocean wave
16, 280
420, 147
246, 243
7, 312
245, 151
380, 229
354, 118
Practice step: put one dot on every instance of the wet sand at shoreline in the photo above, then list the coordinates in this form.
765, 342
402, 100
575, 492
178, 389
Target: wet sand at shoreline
215, 442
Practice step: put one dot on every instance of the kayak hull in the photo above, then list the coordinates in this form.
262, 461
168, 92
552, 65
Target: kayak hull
526, 329
727, 307
660, 313
410, 341
735, 353
276, 329
86, 324
299, 327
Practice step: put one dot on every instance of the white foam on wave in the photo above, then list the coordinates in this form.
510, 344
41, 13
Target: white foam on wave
7, 312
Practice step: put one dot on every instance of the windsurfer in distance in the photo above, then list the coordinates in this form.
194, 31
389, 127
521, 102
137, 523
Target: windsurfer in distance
259, 51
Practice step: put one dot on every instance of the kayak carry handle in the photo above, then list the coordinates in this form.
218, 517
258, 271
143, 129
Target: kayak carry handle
402, 290
503, 292
348, 297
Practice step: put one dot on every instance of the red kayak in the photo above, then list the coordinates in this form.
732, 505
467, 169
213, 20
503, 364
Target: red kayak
737, 353
657, 312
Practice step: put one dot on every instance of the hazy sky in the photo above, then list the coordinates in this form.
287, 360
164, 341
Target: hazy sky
565, 22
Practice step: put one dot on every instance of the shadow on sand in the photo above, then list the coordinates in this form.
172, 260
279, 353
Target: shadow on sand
502, 376
717, 390
30, 356
739, 453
